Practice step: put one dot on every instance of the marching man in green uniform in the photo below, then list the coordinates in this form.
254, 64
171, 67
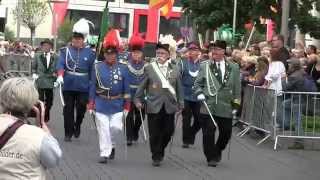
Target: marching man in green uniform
218, 87
44, 74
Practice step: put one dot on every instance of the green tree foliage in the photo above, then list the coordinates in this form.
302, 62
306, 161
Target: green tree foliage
31, 13
8, 34
65, 31
211, 14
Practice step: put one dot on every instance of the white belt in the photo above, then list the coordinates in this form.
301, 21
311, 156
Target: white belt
133, 86
77, 73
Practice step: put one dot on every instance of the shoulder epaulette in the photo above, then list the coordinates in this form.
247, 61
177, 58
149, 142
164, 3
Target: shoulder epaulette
97, 62
121, 61
204, 61
63, 49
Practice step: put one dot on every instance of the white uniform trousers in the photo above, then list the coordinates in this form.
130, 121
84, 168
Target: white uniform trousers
108, 127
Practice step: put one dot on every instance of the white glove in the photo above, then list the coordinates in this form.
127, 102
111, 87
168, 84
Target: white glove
35, 76
201, 97
59, 81
318, 81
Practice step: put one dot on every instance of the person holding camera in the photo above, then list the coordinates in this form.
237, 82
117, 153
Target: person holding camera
26, 151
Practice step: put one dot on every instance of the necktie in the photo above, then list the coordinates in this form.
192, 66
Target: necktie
47, 55
219, 72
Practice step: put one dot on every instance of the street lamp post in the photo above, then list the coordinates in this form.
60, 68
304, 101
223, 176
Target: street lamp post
234, 18
285, 19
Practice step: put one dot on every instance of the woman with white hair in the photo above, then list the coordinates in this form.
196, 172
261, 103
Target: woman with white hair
25, 150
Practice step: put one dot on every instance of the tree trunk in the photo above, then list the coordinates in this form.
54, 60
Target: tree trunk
208, 34
33, 31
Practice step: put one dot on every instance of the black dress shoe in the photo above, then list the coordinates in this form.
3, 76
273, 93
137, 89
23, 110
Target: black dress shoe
135, 137
112, 154
129, 143
212, 163
77, 132
185, 146
103, 160
67, 139
156, 163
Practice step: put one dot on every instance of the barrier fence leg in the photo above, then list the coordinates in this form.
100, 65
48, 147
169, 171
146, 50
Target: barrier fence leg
242, 133
275, 143
264, 139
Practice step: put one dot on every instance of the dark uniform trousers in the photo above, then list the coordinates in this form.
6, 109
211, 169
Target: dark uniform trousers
161, 128
189, 131
213, 150
134, 122
78, 100
46, 96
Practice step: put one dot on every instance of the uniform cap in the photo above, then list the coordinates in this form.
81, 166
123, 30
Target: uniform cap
136, 42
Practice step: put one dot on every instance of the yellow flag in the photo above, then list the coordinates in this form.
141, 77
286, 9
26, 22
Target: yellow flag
157, 4
167, 8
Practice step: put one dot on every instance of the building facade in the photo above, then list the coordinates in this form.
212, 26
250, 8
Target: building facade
128, 15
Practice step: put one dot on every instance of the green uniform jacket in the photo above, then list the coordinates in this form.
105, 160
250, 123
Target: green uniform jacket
221, 97
47, 75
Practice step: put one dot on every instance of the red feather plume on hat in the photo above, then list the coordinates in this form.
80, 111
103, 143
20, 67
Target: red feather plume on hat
112, 39
136, 42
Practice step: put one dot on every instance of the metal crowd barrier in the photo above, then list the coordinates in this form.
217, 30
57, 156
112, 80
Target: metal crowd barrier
14, 65
299, 116
258, 110
290, 115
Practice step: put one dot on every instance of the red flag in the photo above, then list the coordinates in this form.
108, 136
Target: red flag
60, 10
153, 25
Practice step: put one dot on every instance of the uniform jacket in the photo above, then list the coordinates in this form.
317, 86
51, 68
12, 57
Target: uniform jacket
115, 78
73, 62
220, 96
189, 71
135, 75
47, 75
156, 96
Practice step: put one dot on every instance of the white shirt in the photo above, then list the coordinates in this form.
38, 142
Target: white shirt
222, 65
275, 72
47, 55
164, 67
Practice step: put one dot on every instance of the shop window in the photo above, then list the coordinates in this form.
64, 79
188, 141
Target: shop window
167, 26
120, 21
93, 16
116, 20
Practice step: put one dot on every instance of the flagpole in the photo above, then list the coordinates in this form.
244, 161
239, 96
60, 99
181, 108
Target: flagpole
103, 28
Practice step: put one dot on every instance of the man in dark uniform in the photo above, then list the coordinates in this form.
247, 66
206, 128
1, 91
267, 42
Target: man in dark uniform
218, 84
189, 69
164, 97
136, 65
74, 69
44, 75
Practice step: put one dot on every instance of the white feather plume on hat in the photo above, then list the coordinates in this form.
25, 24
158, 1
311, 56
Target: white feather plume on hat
168, 39
82, 27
